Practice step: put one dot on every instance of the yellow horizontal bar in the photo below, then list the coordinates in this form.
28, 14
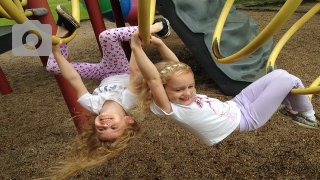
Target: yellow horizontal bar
310, 90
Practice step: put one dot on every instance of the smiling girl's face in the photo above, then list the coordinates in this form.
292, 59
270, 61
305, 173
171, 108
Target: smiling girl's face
181, 88
110, 126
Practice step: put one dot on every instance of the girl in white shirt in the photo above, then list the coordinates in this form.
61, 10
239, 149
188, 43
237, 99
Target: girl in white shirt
169, 89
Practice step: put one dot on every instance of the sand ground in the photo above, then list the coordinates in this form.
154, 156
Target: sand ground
36, 129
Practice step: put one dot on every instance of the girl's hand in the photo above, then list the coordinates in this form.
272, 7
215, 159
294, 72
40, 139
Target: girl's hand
155, 41
56, 47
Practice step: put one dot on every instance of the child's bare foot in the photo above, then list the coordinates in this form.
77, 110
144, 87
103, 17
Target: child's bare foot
165, 30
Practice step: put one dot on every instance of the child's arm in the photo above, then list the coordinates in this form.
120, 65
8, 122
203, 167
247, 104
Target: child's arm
150, 74
165, 52
134, 71
68, 72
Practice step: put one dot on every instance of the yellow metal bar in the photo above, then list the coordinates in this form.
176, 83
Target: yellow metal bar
310, 90
18, 4
144, 21
76, 10
28, 13
314, 87
277, 22
24, 2
152, 10
4, 14
276, 50
314, 84
220, 23
12, 10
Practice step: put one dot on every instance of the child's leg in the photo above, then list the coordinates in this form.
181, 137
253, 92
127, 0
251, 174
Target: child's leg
113, 54
114, 60
84, 69
261, 99
52, 65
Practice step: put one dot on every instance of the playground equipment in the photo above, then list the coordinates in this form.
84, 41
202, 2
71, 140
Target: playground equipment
11, 12
277, 22
14, 10
190, 21
11, 9
194, 23
6, 37
128, 9
314, 87
228, 36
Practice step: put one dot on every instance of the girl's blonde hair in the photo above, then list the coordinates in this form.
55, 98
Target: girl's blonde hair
167, 71
88, 150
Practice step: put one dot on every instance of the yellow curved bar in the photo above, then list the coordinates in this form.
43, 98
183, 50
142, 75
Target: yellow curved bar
18, 4
24, 2
3, 13
144, 21
277, 22
275, 52
28, 13
12, 10
314, 84
219, 27
314, 88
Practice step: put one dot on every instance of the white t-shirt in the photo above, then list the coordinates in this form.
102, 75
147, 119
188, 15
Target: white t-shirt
209, 119
112, 88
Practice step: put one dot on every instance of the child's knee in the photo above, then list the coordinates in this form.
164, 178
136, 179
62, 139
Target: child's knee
291, 80
280, 71
50, 63
106, 34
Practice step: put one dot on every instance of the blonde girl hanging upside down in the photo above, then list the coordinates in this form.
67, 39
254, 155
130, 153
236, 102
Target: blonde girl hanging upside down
112, 129
169, 89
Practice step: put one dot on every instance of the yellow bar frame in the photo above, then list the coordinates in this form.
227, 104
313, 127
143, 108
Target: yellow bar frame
277, 22
314, 87
276, 50
9, 9
146, 10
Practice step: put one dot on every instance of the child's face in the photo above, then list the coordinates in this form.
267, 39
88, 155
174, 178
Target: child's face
180, 89
109, 126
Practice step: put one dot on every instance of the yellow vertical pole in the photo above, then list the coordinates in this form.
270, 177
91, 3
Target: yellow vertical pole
144, 21
152, 10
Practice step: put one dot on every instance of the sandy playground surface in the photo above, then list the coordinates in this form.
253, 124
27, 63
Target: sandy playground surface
36, 130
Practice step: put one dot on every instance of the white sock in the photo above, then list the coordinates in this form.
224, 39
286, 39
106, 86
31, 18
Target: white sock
310, 114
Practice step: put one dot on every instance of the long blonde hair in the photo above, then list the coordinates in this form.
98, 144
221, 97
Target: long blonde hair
167, 71
88, 150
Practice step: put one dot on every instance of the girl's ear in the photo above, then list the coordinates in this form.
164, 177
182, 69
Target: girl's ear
129, 119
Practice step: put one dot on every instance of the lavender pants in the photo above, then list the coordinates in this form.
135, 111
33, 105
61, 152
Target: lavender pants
113, 62
260, 100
